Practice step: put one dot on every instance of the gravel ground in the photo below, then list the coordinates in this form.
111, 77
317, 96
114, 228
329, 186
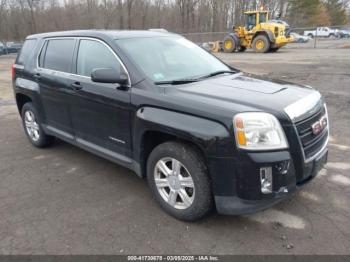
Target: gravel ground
63, 200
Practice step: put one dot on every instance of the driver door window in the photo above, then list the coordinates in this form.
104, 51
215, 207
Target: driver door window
251, 21
92, 55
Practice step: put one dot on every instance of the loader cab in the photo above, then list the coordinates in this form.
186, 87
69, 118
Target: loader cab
254, 18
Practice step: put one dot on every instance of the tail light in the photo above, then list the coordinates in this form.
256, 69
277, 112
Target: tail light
13, 71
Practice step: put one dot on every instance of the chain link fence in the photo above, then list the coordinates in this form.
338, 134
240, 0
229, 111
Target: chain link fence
305, 37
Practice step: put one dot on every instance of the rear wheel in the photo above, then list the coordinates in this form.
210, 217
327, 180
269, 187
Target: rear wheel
179, 181
310, 35
32, 127
261, 44
229, 44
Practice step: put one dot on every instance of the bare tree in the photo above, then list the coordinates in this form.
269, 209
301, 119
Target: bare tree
109, 11
31, 5
129, 5
18, 18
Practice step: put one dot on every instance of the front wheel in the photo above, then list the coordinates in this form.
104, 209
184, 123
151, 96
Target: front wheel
229, 44
179, 181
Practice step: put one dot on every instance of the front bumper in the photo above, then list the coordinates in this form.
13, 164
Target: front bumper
247, 197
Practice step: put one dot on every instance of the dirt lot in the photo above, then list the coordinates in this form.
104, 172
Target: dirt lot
63, 200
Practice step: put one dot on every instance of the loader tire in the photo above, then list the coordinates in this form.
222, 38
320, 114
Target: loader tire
261, 44
229, 44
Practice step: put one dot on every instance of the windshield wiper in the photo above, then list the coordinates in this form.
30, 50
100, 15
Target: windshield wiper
191, 80
176, 82
221, 72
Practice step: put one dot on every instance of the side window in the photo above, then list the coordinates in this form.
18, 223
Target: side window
59, 54
93, 55
251, 21
26, 51
262, 18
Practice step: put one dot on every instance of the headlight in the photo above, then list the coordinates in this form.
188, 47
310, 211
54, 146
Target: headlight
259, 131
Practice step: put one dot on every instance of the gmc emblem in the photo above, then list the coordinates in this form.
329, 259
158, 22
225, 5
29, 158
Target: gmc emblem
319, 125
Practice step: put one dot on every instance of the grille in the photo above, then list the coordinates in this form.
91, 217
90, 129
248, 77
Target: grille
312, 143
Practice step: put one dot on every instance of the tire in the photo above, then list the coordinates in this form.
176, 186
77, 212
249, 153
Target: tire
229, 45
261, 44
32, 127
310, 35
194, 174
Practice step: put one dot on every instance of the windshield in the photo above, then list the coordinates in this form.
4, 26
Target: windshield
170, 58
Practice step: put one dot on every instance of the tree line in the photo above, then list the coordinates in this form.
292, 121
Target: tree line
19, 18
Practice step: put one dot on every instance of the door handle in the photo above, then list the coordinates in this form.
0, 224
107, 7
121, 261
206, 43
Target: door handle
37, 76
76, 86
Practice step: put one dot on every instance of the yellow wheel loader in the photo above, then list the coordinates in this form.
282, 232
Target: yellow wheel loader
258, 34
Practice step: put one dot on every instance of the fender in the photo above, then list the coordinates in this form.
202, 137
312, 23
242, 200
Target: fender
269, 34
30, 89
206, 133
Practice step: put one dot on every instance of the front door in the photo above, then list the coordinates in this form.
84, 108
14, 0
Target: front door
100, 112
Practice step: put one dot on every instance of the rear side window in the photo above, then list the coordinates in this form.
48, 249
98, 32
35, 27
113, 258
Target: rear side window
58, 55
93, 55
26, 51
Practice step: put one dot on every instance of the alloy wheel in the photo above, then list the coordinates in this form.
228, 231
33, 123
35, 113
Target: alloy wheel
174, 183
31, 125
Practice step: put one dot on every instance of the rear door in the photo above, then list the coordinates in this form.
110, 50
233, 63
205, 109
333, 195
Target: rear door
53, 75
100, 112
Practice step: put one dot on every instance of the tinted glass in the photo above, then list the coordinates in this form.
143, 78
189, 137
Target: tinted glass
93, 55
262, 18
27, 49
170, 58
59, 55
251, 21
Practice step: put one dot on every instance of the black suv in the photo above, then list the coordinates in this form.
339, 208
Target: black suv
203, 133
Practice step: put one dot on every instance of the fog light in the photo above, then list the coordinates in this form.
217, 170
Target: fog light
282, 167
266, 180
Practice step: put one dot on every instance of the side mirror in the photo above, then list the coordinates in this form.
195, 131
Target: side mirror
109, 75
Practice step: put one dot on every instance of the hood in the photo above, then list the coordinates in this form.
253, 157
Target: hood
241, 92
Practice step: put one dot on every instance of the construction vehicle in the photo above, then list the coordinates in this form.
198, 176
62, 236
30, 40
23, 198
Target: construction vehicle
258, 33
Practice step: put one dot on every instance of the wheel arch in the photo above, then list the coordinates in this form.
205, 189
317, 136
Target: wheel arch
267, 33
155, 126
153, 138
21, 100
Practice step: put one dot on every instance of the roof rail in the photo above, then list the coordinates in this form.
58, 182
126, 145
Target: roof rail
161, 30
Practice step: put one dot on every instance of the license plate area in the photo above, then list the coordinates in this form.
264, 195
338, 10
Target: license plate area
319, 163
